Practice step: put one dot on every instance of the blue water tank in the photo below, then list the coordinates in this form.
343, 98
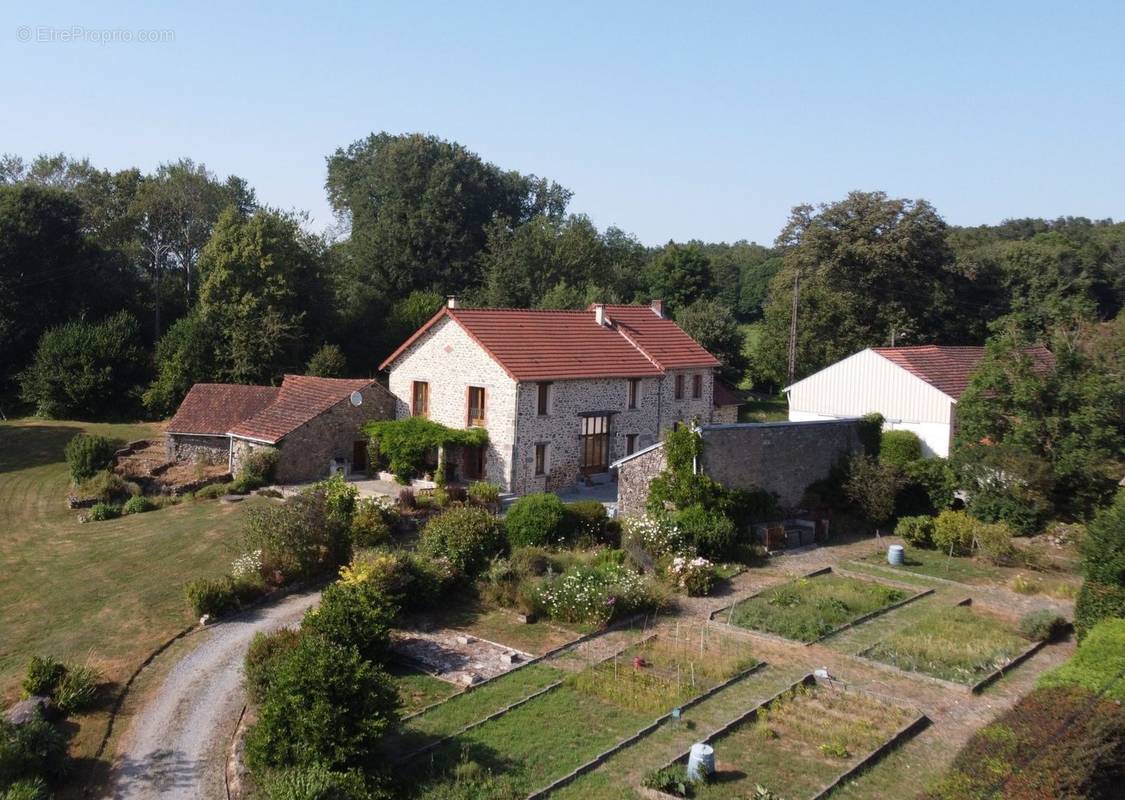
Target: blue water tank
895, 555
701, 762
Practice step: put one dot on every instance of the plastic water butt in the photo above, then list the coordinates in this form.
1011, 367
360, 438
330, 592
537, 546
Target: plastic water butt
701, 762
895, 554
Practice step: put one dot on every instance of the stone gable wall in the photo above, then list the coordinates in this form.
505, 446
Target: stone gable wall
633, 478
305, 454
449, 360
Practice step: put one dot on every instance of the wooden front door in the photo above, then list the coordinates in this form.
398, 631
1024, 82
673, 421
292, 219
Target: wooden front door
472, 463
359, 456
593, 444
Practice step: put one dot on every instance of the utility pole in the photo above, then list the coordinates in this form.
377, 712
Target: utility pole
793, 328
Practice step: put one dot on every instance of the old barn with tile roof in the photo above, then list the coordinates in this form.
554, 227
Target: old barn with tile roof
313, 423
914, 388
561, 393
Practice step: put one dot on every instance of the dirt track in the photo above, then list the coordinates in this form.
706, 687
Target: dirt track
176, 745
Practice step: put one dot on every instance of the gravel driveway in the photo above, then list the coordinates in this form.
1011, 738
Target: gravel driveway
176, 745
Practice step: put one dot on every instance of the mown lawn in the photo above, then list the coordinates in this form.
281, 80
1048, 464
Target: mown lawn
108, 592
417, 690
808, 608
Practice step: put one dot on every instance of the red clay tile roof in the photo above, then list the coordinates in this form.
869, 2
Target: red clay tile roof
533, 345
948, 368
725, 395
299, 400
214, 408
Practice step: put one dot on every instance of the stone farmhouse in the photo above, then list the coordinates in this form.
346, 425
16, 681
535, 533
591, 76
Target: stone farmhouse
562, 393
914, 388
313, 422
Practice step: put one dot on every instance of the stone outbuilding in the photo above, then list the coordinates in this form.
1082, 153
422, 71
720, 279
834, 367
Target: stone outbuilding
313, 422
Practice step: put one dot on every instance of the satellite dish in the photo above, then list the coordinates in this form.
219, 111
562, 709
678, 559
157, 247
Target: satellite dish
356, 399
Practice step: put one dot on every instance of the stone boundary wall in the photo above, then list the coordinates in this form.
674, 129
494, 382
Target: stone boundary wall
780, 457
633, 478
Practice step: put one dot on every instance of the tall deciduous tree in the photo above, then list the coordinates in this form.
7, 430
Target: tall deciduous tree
259, 274
713, 325
872, 270
680, 274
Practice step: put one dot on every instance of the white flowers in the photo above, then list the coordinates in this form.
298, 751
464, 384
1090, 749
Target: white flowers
696, 575
657, 535
247, 564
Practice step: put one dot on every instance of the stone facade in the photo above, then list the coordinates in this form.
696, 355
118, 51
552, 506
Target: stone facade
780, 457
197, 448
307, 452
633, 478
450, 361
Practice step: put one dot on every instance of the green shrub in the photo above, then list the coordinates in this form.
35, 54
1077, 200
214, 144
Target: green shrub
586, 522
265, 653
929, 489
35, 749
671, 780
656, 535
259, 466
31, 789
214, 490
482, 493
918, 531
467, 537
1022, 516
405, 445
300, 537
1103, 549
313, 782
78, 689
530, 562
100, 512
954, 531
108, 487
212, 596
1042, 626
596, 594
369, 525
339, 499
87, 455
1097, 663
43, 676
995, 542
328, 362
325, 704
354, 615
899, 448
870, 432
138, 505
712, 534
696, 576
746, 507
537, 519
1095, 602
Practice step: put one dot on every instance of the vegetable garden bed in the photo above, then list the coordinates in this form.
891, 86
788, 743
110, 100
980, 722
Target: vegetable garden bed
811, 608
955, 644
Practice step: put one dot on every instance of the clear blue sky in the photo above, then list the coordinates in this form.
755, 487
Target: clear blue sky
669, 121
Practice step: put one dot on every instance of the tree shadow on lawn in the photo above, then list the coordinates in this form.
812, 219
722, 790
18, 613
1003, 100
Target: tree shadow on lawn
427, 771
26, 446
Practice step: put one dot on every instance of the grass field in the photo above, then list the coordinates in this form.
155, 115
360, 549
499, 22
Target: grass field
934, 564
957, 644
105, 592
417, 689
801, 743
808, 608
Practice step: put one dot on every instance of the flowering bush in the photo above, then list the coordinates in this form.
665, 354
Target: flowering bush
247, 564
656, 535
594, 594
696, 576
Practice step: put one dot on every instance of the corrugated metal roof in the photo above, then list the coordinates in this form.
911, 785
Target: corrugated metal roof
536, 345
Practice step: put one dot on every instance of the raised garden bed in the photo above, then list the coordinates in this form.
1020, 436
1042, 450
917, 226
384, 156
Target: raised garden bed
816, 606
958, 644
417, 690
804, 741
935, 564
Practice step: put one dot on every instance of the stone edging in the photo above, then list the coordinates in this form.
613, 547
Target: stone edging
919, 575
599, 759
902, 734
996, 674
550, 687
727, 608
624, 623
232, 765
871, 615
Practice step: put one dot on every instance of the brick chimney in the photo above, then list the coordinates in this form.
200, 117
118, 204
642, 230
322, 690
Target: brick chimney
451, 301
599, 314
657, 307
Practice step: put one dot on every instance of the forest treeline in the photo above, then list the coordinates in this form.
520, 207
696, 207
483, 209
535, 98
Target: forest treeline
119, 290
